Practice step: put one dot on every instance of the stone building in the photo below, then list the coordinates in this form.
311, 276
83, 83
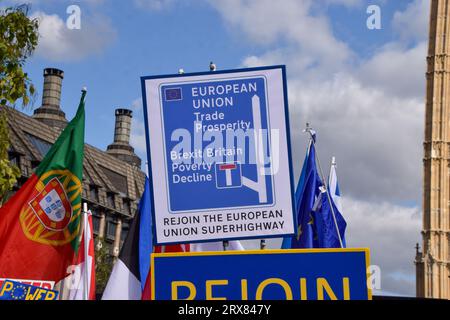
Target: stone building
112, 180
433, 263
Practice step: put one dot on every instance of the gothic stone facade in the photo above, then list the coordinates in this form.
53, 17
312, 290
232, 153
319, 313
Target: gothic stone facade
433, 263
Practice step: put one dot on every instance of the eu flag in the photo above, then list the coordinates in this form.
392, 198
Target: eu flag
305, 197
173, 94
330, 231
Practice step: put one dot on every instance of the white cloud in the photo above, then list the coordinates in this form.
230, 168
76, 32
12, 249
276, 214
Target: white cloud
371, 121
348, 3
136, 106
412, 24
58, 43
375, 137
137, 137
397, 70
154, 5
267, 23
391, 233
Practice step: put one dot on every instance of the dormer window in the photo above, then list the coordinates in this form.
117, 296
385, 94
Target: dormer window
93, 193
14, 159
110, 200
126, 206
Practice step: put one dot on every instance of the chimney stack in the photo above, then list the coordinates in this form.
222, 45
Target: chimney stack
50, 112
121, 147
122, 129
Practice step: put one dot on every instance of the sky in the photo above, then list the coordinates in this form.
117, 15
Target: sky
362, 90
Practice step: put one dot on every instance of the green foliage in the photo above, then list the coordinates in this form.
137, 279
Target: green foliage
103, 265
8, 172
18, 39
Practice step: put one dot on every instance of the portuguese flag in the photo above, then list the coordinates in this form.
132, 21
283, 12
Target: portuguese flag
40, 224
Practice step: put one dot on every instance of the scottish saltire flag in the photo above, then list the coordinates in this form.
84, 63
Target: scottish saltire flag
333, 185
305, 198
330, 230
333, 188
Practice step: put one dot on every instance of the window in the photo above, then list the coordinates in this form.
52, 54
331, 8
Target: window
93, 193
111, 229
110, 200
14, 159
41, 145
119, 181
85, 191
96, 223
126, 206
34, 164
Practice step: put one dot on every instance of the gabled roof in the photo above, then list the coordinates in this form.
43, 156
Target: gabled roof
30, 137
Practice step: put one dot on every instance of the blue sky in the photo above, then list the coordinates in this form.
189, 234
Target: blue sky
147, 43
362, 90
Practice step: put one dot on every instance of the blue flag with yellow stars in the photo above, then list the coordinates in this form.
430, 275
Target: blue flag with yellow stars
330, 230
305, 197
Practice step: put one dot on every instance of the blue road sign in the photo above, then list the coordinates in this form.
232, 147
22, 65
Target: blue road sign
314, 274
218, 144
230, 105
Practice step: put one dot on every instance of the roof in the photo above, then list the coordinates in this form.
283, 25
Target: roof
31, 139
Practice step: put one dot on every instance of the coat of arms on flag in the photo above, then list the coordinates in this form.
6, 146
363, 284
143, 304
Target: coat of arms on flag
55, 203
52, 207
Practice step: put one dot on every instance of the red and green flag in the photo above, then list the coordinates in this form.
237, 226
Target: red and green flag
40, 224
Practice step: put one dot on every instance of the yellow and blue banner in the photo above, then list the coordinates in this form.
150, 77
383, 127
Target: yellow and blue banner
12, 290
300, 274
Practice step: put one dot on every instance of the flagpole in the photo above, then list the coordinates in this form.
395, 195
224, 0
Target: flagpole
212, 68
86, 246
333, 163
308, 130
